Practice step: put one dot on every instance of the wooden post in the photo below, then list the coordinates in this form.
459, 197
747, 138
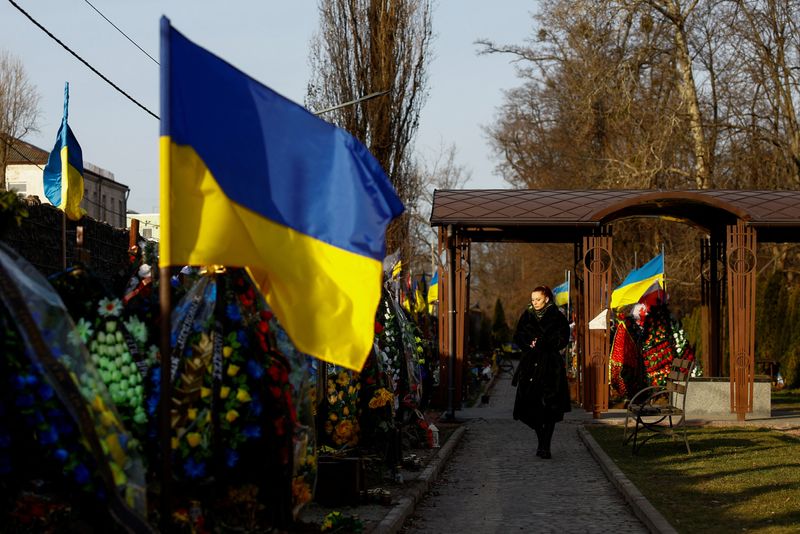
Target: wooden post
741, 269
597, 288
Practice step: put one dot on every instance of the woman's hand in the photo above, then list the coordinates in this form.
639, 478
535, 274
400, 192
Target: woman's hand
533, 343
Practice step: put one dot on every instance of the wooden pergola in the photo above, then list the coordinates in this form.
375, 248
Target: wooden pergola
733, 221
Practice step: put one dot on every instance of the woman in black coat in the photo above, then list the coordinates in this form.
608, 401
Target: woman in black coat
541, 378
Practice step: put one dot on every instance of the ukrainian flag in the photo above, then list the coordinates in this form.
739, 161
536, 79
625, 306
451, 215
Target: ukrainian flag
249, 178
638, 282
63, 174
433, 289
561, 294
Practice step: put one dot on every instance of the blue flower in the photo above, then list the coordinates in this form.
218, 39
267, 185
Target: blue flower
241, 337
255, 406
19, 382
61, 455
81, 474
194, 469
254, 369
63, 426
252, 431
231, 457
232, 311
46, 392
48, 436
152, 405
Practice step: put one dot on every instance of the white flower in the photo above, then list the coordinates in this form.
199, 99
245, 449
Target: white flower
109, 307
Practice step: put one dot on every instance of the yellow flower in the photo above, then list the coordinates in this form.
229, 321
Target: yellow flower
98, 404
343, 379
174, 443
115, 449
346, 410
107, 418
205, 392
120, 479
232, 416
233, 370
224, 391
333, 416
382, 397
332, 399
193, 438
243, 396
192, 414
227, 351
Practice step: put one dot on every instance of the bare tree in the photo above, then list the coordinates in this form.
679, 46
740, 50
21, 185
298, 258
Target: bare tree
440, 172
368, 46
599, 105
19, 108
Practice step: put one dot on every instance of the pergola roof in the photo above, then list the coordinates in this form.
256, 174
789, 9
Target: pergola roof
564, 215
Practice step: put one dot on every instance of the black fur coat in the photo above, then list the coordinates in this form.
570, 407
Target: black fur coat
541, 378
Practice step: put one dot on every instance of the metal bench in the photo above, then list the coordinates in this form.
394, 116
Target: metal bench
659, 410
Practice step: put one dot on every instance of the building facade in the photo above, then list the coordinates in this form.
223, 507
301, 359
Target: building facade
104, 199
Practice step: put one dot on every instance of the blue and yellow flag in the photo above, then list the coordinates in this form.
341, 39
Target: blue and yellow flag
63, 174
433, 289
638, 282
561, 294
249, 178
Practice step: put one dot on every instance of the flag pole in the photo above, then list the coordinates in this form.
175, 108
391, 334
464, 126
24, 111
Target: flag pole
569, 291
165, 295
664, 264
64, 239
64, 174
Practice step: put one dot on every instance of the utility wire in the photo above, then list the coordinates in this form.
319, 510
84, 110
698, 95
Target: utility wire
79, 58
122, 32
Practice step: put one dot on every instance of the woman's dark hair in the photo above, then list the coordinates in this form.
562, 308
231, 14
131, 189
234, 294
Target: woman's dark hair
547, 292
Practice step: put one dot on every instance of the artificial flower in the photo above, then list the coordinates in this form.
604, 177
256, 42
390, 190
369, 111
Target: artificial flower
109, 307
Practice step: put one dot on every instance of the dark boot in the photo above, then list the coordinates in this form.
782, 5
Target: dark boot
539, 439
547, 436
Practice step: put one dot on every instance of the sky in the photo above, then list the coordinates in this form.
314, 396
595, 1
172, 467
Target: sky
268, 40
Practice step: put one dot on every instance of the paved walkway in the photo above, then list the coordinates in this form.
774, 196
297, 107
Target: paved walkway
495, 483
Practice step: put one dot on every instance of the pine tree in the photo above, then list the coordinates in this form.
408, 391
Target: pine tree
501, 333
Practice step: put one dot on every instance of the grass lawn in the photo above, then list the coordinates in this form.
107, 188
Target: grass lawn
786, 400
737, 479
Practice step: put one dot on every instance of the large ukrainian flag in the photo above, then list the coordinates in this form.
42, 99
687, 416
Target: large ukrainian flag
638, 282
249, 178
63, 174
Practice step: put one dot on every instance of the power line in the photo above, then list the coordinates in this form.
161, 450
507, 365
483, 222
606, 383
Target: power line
122, 32
79, 58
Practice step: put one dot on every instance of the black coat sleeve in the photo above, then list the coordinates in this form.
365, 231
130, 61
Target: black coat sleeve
553, 331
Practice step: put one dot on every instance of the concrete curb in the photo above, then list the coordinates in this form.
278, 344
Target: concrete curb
642, 508
405, 505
